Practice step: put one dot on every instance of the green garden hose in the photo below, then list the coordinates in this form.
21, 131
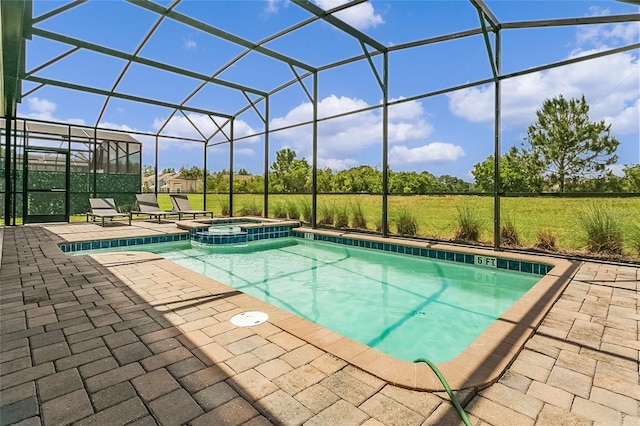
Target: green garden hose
454, 399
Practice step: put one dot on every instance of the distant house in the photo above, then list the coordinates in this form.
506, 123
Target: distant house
171, 182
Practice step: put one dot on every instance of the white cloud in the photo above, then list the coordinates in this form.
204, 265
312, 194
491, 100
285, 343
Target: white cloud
609, 83
189, 44
148, 142
598, 35
435, 152
244, 151
43, 109
347, 136
616, 169
337, 164
360, 16
274, 5
114, 126
627, 122
41, 106
181, 126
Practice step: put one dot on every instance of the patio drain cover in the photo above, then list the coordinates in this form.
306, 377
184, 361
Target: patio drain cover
248, 319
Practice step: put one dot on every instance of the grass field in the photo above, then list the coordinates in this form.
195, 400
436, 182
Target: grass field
437, 215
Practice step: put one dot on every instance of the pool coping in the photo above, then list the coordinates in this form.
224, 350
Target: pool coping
479, 365
263, 222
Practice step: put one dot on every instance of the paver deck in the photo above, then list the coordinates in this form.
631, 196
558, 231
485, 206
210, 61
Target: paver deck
120, 339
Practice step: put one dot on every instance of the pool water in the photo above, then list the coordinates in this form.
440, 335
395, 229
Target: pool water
405, 306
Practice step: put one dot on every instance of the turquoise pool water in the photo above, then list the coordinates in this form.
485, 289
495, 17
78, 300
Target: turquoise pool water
405, 306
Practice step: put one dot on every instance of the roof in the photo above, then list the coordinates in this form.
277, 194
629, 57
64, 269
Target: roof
74, 131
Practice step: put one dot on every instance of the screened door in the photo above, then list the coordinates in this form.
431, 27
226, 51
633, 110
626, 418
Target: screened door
46, 185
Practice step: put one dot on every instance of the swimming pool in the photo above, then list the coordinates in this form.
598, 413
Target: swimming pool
405, 306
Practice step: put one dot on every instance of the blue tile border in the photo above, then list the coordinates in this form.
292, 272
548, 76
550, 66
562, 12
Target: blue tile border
245, 235
450, 256
199, 235
255, 234
121, 242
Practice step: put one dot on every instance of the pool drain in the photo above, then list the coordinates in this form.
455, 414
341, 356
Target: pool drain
248, 319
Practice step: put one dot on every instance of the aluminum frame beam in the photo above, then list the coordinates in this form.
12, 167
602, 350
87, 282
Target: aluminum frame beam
194, 23
96, 91
148, 62
136, 52
608, 19
486, 11
338, 23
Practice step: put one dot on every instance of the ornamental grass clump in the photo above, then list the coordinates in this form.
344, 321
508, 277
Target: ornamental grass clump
407, 223
251, 208
635, 239
224, 208
279, 210
326, 214
292, 210
602, 231
469, 225
509, 234
305, 210
358, 220
546, 241
341, 217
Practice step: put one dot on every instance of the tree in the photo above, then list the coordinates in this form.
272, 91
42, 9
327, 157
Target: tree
569, 147
168, 170
631, 179
253, 185
448, 183
194, 172
324, 179
519, 172
218, 182
243, 172
363, 179
411, 182
148, 170
289, 174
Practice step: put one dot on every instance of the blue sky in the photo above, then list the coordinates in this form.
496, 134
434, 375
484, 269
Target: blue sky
444, 134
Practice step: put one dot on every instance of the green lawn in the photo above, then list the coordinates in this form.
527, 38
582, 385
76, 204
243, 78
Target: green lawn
437, 215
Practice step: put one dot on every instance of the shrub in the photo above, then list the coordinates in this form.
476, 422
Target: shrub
341, 217
509, 234
378, 224
407, 223
635, 239
292, 210
224, 207
602, 231
305, 210
358, 221
325, 214
469, 225
250, 208
546, 241
279, 210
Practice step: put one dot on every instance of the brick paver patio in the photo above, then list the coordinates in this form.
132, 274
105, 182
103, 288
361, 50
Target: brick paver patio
134, 339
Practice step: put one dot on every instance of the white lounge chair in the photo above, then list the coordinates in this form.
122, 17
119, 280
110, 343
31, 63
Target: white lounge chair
148, 206
105, 208
182, 206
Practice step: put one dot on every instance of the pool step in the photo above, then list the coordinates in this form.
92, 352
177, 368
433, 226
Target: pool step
217, 237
